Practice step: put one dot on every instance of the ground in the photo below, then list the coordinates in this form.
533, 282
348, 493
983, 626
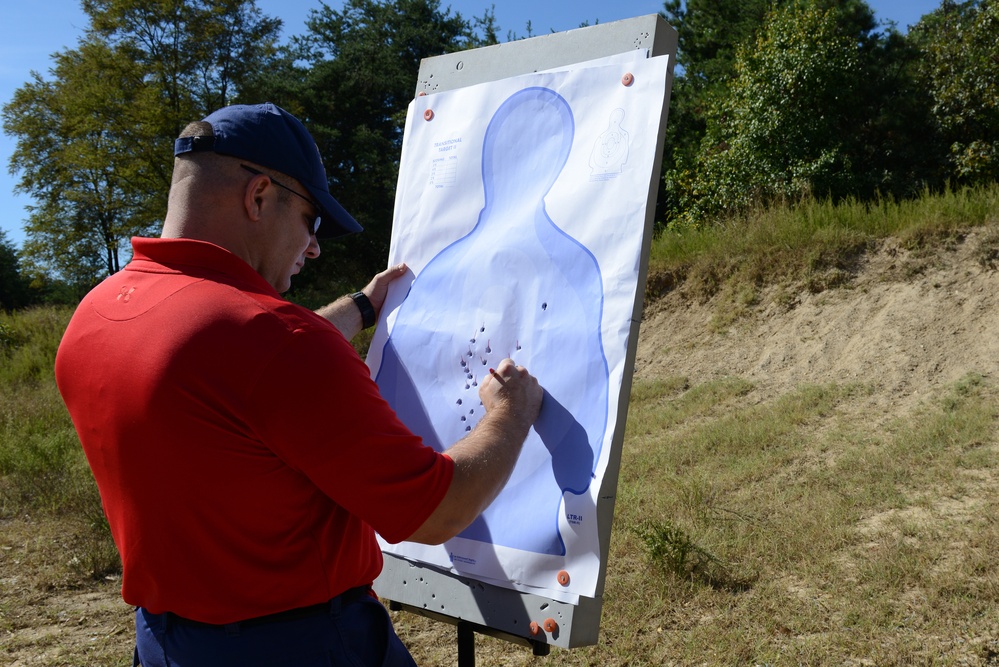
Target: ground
909, 321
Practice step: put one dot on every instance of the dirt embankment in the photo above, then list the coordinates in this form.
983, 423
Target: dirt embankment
907, 324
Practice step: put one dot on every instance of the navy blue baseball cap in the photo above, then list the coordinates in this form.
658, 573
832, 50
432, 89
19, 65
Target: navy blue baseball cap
269, 136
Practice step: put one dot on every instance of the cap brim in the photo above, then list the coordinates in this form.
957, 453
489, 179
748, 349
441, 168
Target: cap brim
335, 221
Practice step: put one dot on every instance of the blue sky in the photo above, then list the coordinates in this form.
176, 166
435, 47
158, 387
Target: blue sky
32, 31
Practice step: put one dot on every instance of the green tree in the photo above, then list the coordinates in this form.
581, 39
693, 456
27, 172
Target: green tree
75, 153
13, 285
961, 71
197, 54
819, 104
770, 135
355, 76
710, 34
94, 142
894, 148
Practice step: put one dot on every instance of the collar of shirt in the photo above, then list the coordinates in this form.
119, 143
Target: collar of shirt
196, 258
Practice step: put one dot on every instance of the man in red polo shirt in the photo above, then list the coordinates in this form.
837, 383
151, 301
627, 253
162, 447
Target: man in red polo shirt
244, 456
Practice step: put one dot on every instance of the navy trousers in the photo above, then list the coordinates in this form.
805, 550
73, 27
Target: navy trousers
357, 631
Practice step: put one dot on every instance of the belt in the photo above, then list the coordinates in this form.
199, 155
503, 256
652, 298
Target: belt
347, 597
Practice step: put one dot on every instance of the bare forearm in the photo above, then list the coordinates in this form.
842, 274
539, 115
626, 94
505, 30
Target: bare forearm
344, 315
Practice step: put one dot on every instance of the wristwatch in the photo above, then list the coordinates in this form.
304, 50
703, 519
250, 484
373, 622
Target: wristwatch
363, 303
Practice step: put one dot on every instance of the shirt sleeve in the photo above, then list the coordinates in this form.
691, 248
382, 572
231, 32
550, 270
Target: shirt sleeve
317, 408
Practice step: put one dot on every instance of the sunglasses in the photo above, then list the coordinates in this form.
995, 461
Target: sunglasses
313, 225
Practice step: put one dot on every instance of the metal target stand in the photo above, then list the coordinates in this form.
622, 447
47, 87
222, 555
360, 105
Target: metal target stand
473, 606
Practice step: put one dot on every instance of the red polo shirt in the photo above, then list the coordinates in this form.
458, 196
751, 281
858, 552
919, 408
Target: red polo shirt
243, 454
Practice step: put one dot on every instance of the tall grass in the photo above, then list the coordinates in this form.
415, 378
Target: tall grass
815, 242
43, 471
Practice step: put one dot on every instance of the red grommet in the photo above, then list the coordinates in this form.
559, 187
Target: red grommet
535, 628
428, 115
550, 625
563, 577
422, 93
628, 79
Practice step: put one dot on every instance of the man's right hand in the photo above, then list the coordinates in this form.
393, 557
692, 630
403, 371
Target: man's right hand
511, 387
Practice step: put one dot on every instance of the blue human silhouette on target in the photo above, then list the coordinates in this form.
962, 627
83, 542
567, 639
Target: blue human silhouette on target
515, 286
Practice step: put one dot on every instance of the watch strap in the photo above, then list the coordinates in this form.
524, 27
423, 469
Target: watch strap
363, 303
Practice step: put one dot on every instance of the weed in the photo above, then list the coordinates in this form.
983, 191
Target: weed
672, 550
94, 553
9, 340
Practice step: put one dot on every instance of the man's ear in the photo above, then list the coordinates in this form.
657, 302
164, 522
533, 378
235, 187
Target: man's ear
254, 199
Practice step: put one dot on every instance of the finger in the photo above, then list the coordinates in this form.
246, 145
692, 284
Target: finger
382, 280
505, 364
395, 271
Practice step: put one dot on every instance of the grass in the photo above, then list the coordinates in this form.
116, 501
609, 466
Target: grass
817, 244
38, 447
796, 529
43, 471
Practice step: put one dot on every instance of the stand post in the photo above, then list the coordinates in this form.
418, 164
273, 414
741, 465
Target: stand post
466, 644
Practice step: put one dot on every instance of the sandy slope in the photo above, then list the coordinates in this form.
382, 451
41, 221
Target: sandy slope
907, 324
